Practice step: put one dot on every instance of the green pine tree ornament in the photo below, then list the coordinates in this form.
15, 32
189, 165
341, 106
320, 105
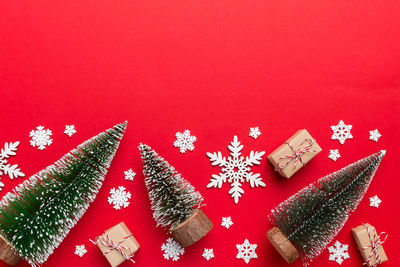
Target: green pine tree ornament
174, 201
309, 220
39, 213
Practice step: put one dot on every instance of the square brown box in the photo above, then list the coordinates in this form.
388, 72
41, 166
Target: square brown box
293, 154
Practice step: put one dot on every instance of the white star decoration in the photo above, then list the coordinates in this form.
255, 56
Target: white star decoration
374, 135
70, 130
341, 132
80, 250
129, 175
208, 254
226, 222
254, 132
334, 154
375, 201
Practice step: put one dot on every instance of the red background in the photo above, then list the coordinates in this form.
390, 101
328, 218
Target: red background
216, 68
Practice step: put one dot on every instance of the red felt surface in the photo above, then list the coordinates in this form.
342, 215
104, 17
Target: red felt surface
216, 68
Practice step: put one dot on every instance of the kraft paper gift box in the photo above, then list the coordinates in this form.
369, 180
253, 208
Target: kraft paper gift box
294, 153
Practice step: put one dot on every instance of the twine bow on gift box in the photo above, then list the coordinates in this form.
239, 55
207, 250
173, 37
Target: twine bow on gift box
111, 245
375, 240
297, 154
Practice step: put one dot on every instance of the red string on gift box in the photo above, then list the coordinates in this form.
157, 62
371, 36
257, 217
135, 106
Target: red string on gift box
297, 154
109, 243
374, 238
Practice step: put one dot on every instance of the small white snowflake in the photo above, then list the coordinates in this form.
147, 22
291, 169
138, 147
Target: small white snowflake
184, 141
246, 251
338, 252
172, 250
375, 201
40, 137
129, 175
208, 253
80, 250
236, 169
6, 168
341, 132
70, 130
254, 132
227, 222
334, 154
119, 197
374, 135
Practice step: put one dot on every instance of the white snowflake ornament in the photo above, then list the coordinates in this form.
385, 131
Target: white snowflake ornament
254, 132
226, 222
236, 169
208, 253
172, 250
375, 201
246, 251
70, 130
129, 175
334, 154
80, 250
341, 132
374, 135
40, 137
119, 198
184, 141
12, 171
338, 252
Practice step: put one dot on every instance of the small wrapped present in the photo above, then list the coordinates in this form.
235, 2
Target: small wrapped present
117, 244
293, 154
369, 244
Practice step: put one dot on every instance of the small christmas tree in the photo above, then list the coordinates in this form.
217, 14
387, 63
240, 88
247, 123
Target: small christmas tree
309, 220
39, 213
174, 201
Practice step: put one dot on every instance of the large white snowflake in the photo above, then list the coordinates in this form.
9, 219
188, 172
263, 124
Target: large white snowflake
70, 130
80, 250
246, 251
6, 168
119, 197
334, 154
235, 169
254, 132
374, 135
129, 175
375, 201
226, 222
341, 132
40, 137
172, 250
338, 252
208, 253
184, 141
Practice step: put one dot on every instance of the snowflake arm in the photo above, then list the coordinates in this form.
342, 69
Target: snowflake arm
11, 170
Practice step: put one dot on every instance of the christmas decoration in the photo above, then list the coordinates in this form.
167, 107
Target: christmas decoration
294, 153
375, 201
119, 198
341, 132
40, 137
70, 130
174, 201
334, 154
185, 141
80, 250
129, 175
374, 135
254, 132
172, 250
39, 213
227, 222
246, 251
208, 253
309, 220
236, 169
12, 171
338, 252
117, 244
369, 244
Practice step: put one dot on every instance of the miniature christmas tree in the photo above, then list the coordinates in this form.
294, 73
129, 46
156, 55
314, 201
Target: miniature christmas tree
309, 220
39, 213
174, 201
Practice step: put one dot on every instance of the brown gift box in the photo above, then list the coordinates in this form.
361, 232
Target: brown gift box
297, 143
116, 234
363, 240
